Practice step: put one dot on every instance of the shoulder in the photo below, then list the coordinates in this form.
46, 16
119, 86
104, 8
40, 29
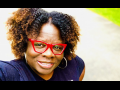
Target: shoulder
6, 65
80, 64
7, 71
79, 61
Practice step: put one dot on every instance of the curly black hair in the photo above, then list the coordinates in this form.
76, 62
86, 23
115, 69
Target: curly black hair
28, 21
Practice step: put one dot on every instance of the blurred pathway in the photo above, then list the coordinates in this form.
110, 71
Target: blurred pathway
99, 46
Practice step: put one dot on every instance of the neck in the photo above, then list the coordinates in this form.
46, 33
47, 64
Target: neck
46, 76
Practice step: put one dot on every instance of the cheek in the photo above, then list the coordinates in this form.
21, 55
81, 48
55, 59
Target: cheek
30, 54
59, 58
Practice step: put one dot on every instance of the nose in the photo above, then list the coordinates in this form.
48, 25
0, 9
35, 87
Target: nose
48, 53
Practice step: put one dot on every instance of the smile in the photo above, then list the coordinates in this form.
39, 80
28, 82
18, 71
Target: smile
45, 65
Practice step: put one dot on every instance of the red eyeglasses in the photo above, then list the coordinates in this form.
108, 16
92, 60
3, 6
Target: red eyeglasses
41, 47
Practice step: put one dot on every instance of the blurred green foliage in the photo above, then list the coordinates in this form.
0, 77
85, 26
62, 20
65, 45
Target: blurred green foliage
112, 14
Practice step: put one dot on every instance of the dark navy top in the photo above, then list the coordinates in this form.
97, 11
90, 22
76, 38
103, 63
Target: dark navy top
18, 70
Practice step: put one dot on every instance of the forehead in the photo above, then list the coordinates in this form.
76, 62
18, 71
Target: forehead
49, 33
50, 29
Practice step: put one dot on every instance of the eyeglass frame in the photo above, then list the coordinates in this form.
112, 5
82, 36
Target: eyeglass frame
48, 46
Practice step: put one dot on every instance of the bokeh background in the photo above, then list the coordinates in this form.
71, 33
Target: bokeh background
99, 44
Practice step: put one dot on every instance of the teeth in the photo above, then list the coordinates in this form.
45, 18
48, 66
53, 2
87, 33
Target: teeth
46, 63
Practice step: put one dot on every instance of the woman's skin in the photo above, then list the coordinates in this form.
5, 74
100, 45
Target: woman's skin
49, 34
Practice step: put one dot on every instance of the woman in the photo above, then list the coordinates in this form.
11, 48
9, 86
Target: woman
44, 46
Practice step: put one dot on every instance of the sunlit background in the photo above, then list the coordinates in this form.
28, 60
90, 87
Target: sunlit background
99, 46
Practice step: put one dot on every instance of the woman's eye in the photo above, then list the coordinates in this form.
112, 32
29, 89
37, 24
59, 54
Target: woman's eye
40, 44
37, 44
58, 47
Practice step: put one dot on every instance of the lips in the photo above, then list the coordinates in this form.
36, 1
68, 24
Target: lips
45, 64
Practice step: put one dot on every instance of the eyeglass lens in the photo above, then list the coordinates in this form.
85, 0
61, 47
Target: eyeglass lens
41, 47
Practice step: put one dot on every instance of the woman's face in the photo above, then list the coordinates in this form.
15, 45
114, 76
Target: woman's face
44, 63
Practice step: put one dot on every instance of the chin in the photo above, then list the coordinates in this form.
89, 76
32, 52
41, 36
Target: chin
44, 71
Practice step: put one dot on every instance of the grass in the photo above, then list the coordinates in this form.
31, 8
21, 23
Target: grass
112, 14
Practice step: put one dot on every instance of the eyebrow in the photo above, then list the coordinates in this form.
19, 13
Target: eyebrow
44, 40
